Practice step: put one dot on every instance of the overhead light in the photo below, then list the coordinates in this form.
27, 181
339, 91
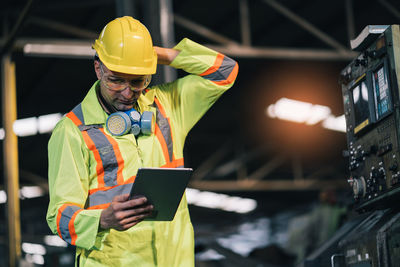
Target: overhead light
24, 192
25, 127
298, 111
3, 196
220, 201
46, 123
31, 192
34, 125
303, 112
35, 259
31, 248
55, 241
59, 50
318, 113
335, 123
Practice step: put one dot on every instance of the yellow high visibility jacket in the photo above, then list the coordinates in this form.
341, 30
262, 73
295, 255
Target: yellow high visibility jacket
88, 166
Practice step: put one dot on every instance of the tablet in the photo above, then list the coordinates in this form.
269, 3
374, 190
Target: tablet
163, 188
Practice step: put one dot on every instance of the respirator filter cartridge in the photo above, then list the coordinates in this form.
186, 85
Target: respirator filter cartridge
130, 121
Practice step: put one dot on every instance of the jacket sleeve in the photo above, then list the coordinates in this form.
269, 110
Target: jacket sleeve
210, 75
68, 187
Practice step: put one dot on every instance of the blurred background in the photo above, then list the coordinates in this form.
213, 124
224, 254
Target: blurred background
270, 181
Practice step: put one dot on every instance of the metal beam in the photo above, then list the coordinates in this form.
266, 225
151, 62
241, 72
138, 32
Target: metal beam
62, 27
270, 185
236, 163
245, 22
297, 167
284, 53
390, 8
35, 179
125, 8
82, 49
306, 25
157, 16
350, 19
199, 29
9, 42
321, 172
267, 168
167, 33
209, 164
10, 156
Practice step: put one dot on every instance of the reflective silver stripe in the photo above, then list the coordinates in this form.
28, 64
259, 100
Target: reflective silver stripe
165, 128
66, 216
78, 113
223, 71
107, 155
103, 146
105, 197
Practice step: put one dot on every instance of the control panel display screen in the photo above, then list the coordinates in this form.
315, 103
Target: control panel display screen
360, 104
380, 84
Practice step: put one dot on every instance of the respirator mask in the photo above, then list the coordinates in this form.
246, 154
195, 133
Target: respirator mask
130, 121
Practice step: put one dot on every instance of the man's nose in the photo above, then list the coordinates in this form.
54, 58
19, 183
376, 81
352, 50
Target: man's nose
127, 92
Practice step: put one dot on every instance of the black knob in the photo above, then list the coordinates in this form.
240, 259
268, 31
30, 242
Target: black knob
372, 54
373, 149
393, 167
362, 62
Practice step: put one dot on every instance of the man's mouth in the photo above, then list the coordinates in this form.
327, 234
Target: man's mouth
127, 102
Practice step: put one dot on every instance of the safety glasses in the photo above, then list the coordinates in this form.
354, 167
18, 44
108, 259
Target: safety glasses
116, 83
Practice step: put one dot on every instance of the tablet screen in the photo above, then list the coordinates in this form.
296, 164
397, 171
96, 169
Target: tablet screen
163, 188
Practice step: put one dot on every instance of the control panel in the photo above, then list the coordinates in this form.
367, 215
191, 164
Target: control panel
371, 107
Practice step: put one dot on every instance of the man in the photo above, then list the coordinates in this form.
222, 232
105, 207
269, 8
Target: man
91, 171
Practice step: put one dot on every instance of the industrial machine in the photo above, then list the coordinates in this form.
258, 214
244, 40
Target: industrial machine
371, 105
370, 89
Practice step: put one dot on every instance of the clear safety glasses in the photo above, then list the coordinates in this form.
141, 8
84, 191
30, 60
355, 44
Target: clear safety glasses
116, 83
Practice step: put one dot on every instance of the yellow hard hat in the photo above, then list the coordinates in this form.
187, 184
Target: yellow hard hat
125, 46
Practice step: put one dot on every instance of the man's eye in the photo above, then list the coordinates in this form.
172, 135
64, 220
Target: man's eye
139, 81
115, 80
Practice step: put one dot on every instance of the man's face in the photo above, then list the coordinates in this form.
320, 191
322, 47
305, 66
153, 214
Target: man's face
119, 89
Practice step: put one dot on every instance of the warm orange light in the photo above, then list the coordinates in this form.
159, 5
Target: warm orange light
303, 112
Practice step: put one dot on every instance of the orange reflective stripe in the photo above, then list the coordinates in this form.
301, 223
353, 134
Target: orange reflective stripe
60, 211
160, 107
174, 164
71, 228
99, 167
161, 138
104, 188
231, 78
118, 155
162, 142
99, 207
215, 67
74, 118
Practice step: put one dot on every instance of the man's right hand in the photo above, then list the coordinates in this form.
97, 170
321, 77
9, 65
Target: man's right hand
123, 213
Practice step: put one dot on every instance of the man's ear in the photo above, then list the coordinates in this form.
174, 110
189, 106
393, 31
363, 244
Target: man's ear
97, 69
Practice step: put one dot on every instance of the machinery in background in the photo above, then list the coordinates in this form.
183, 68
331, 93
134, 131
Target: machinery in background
370, 89
371, 105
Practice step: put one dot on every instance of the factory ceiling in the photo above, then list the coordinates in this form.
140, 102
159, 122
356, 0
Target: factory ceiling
288, 48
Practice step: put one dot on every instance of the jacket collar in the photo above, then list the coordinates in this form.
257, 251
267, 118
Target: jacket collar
94, 113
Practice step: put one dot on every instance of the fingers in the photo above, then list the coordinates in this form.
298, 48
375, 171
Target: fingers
131, 221
137, 211
124, 213
121, 198
123, 202
128, 218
